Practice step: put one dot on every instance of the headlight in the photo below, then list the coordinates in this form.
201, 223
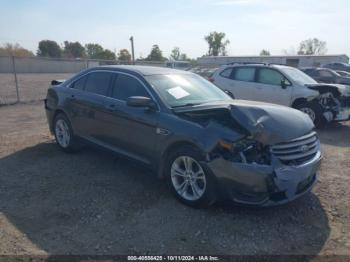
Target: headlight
245, 151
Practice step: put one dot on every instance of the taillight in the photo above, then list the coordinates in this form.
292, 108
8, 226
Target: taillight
211, 79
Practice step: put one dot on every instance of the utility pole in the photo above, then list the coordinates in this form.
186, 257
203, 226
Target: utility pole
132, 49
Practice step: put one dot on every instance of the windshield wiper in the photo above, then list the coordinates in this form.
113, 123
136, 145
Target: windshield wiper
188, 104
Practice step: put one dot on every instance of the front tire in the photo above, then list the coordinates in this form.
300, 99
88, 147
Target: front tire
64, 135
314, 111
191, 182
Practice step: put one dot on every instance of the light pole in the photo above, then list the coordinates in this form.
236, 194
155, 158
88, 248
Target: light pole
132, 49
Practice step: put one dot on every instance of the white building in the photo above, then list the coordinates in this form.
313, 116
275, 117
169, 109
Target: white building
291, 60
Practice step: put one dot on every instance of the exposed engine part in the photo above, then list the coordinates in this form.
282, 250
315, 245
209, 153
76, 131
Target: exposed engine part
244, 151
334, 100
330, 105
328, 116
327, 100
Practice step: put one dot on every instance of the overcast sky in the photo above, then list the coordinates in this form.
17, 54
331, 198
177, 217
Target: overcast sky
250, 25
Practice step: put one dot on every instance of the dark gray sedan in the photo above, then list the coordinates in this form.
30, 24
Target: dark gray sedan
325, 75
206, 145
338, 66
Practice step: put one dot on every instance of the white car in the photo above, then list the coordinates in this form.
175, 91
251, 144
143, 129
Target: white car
286, 86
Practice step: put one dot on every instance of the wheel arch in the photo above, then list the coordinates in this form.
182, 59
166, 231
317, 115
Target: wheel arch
55, 114
298, 102
173, 146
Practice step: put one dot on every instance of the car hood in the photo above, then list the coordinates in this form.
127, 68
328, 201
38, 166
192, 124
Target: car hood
266, 123
342, 89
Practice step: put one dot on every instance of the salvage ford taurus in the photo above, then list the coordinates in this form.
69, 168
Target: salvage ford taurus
205, 144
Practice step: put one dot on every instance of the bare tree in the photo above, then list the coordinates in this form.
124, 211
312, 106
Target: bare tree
217, 43
312, 46
15, 50
175, 53
265, 52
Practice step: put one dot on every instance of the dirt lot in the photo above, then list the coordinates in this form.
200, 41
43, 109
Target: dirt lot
95, 203
32, 87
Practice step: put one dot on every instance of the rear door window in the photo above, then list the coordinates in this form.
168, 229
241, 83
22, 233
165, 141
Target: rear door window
246, 74
126, 86
270, 77
325, 73
98, 83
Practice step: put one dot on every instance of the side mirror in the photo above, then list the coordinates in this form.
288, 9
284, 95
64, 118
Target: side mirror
230, 94
141, 101
284, 83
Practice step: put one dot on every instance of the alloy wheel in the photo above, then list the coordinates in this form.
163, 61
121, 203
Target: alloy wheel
62, 133
188, 178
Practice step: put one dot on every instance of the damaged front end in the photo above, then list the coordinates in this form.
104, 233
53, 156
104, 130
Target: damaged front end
274, 162
252, 173
334, 100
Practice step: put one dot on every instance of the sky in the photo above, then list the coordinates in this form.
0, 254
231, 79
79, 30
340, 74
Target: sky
250, 25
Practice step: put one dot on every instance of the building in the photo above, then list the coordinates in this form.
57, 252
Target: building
290, 60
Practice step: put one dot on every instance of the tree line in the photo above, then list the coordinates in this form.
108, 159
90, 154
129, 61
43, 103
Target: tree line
217, 46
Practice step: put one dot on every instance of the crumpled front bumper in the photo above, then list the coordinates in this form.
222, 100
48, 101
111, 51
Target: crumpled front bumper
264, 185
343, 114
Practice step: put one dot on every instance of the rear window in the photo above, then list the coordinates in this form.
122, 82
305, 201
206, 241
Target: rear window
98, 83
324, 73
226, 73
246, 74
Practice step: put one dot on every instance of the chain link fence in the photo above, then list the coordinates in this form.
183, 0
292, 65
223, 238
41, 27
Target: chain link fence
26, 79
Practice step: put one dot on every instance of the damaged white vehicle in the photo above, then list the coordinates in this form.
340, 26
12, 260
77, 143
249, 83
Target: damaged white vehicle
286, 86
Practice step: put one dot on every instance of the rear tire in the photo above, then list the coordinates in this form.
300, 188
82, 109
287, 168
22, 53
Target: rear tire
314, 111
64, 134
191, 182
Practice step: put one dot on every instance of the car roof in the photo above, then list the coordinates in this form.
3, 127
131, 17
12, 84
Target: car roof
316, 68
142, 70
256, 65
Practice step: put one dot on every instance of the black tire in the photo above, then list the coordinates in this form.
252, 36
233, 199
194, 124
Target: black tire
73, 145
209, 196
316, 110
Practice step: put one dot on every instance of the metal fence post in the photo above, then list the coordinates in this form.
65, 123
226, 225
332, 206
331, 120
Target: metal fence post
15, 75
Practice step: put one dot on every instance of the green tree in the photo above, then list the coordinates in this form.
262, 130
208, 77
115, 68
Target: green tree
9, 49
177, 55
107, 55
73, 49
156, 54
217, 43
183, 57
265, 52
93, 51
124, 55
49, 48
312, 46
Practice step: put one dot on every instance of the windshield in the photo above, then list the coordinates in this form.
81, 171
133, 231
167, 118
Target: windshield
298, 76
178, 90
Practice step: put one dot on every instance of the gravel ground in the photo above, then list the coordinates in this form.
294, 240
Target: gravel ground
96, 203
32, 87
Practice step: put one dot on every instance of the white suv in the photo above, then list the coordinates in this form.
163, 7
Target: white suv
287, 86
